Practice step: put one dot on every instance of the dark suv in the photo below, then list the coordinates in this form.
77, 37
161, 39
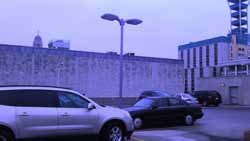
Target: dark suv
208, 97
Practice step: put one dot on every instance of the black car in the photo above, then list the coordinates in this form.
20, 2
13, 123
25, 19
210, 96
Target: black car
153, 93
163, 110
207, 98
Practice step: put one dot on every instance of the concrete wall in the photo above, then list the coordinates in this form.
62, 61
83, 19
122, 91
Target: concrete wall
222, 85
95, 74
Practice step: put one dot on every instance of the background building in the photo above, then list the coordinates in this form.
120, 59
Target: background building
202, 58
38, 42
59, 44
221, 63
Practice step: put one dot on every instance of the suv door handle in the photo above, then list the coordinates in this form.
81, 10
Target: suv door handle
66, 114
24, 114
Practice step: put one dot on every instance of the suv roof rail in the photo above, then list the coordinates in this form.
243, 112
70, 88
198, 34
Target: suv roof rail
34, 86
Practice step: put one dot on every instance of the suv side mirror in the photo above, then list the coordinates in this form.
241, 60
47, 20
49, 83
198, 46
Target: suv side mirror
91, 106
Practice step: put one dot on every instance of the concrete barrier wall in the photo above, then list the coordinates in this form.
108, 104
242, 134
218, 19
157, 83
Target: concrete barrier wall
95, 74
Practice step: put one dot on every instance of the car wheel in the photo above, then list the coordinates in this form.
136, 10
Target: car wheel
189, 120
216, 104
5, 136
137, 123
204, 103
113, 132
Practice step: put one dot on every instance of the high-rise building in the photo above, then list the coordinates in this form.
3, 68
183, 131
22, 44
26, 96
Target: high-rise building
239, 16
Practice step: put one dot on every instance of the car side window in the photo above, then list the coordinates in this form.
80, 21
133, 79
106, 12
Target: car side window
175, 102
70, 100
147, 94
162, 103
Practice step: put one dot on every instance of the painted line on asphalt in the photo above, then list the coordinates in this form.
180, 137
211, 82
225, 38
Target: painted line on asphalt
137, 139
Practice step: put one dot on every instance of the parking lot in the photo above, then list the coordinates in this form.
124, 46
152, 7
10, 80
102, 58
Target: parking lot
218, 124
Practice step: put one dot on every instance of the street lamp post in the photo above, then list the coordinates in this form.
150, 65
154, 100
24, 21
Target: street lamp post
122, 22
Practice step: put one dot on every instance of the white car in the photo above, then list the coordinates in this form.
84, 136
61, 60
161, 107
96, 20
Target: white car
188, 98
35, 112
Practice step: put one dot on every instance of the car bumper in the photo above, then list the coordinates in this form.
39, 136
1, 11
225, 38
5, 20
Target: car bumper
198, 115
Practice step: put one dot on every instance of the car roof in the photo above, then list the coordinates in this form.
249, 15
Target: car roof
35, 87
154, 91
206, 91
156, 97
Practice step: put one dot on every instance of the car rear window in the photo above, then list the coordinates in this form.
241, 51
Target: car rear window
6, 98
215, 94
29, 98
144, 103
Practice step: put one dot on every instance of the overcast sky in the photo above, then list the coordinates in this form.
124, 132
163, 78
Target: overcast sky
167, 23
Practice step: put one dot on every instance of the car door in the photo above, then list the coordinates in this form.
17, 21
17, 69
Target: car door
163, 110
159, 112
74, 116
36, 113
176, 109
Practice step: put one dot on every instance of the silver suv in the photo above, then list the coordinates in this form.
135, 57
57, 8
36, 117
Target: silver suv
35, 112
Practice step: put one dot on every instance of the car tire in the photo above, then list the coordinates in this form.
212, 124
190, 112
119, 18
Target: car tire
216, 104
138, 123
113, 132
205, 103
189, 120
6, 136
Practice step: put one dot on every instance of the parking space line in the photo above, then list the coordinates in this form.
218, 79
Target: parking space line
137, 139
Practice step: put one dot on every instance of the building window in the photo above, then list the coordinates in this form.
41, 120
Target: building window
188, 58
216, 54
201, 72
192, 80
186, 80
194, 57
222, 72
200, 53
214, 72
241, 49
182, 55
207, 56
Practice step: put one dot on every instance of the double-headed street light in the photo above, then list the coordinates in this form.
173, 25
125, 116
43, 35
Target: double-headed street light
122, 22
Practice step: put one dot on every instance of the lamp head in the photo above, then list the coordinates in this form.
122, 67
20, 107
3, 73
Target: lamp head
134, 21
110, 17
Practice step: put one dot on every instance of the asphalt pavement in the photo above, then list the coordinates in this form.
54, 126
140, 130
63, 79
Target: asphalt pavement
223, 123
218, 124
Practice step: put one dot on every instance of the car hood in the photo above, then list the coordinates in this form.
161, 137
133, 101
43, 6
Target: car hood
134, 109
111, 110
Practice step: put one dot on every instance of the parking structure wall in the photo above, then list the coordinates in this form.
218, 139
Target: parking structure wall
94, 74
223, 85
